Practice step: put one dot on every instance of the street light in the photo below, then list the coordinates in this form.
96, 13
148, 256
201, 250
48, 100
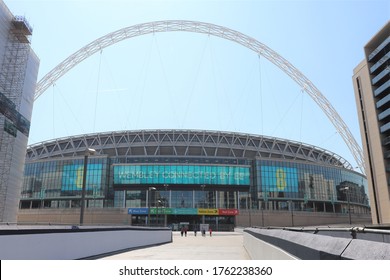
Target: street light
165, 204
265, 201
162, 202
87, 153
346, 189
292, 212
150, 189
204, 201
262, 214
250, 209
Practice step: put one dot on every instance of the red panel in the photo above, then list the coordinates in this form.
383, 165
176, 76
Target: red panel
228, 212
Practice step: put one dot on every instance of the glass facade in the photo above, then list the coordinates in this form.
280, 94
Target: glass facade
282, 185
58, 183
264, 184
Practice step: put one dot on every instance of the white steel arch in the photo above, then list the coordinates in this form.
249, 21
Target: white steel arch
218, 31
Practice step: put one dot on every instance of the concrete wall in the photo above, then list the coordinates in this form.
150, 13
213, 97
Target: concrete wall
64, 243
92, 216
286, 218
260, 250
309, 246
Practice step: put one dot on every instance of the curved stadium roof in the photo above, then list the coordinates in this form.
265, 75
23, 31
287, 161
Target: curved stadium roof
186, 143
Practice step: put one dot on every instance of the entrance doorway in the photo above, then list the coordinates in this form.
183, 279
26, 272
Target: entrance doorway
217, 223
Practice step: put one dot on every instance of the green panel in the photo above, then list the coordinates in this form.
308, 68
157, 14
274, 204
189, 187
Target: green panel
181, 174
173, 211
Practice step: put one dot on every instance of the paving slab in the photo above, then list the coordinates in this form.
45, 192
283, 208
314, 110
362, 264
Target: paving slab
221, 246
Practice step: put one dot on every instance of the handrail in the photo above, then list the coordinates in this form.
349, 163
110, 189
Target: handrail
352, 230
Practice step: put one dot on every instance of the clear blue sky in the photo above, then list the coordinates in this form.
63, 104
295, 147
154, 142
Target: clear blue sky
186, 80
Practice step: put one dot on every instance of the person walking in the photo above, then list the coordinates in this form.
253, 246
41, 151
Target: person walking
195, 230
182, 231
211, 231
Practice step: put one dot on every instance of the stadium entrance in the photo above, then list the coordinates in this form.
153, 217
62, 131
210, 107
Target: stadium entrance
170, 195
191, 222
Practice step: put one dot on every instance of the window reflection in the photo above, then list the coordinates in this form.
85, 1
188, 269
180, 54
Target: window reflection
275, 185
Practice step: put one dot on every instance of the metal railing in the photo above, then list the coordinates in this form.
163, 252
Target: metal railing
356, 232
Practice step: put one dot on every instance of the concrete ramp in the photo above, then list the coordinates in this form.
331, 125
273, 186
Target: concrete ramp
220, 246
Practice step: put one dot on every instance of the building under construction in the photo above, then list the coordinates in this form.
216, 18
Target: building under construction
18, 76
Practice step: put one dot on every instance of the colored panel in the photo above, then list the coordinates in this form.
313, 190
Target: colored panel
282, 179
137, 211
184, 211
161, 211
228, 212
181, 174
207, 211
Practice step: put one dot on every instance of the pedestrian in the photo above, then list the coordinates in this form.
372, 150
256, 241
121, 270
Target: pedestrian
211, 231
185, 231
182, 231
195, 231
203, 232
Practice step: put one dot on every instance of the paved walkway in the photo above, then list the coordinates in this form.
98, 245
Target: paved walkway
221, 246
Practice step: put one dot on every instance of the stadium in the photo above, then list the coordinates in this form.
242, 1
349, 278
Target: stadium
173, 177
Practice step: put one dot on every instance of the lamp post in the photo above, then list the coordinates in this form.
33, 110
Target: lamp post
292, 212
165, 204
250, 209
262, 214
42, 195
346, 189
149, 200
204, 201
265, 201
87, 153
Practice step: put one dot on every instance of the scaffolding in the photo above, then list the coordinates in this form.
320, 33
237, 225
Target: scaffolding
14, 64
12, 76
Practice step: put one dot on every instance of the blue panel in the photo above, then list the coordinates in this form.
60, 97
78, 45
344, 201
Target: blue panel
137, 211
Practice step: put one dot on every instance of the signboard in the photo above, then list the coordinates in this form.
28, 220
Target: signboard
181, 174
282, 179
228, 212
183, 211
137, 211
173, 211
208, 211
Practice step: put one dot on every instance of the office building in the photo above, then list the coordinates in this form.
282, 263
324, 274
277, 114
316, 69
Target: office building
371, 81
